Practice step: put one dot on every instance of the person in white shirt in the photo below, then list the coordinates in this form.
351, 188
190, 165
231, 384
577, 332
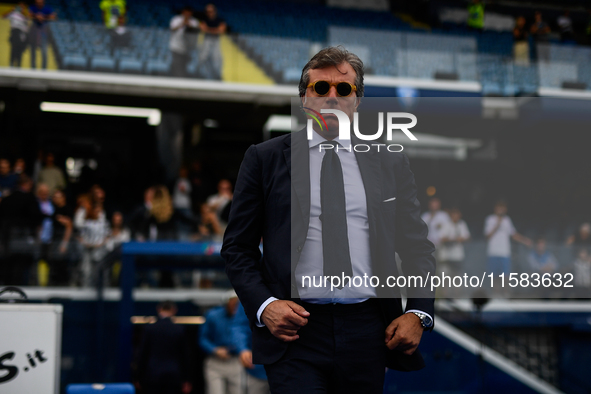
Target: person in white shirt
436, 219
19, 29
183, 28
499, 231
181, 201
222, 198
453, 236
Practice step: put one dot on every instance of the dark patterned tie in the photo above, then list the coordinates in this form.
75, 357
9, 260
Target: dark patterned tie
335, 240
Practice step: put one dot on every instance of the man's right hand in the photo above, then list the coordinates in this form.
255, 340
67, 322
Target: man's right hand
284, 319
221, 352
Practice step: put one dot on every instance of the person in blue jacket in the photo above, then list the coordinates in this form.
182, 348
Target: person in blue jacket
256, 378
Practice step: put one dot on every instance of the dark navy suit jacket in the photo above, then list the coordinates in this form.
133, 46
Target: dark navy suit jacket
272, 201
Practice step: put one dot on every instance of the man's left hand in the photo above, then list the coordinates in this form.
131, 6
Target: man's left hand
404, 333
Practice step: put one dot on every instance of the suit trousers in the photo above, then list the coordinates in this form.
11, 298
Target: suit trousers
340, 350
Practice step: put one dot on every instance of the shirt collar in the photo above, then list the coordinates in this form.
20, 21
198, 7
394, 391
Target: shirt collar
317, 139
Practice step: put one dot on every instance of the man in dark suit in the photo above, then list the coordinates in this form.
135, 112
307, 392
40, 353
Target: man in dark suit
162, 358
310, 205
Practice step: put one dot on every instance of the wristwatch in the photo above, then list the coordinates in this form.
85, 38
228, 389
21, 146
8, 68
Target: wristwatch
426, 320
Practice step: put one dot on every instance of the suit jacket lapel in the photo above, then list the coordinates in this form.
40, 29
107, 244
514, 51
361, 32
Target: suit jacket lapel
370, 166
300, 173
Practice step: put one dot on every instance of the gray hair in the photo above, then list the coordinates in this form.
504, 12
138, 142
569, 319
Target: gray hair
332, 56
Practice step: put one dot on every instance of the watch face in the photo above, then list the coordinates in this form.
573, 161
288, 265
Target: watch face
427, 321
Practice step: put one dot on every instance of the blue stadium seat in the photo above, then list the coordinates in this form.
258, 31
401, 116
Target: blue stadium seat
102, 63
74, 61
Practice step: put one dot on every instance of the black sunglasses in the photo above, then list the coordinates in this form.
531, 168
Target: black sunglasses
323, 87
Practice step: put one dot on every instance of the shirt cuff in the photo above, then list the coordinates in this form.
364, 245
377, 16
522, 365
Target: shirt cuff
262, 308
416, 310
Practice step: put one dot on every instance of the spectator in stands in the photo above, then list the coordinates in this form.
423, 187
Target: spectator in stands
8, 179
119, 232
581, 270
223, 369
19, 166
162, 359
581, 239
20, 217
200, 184
19, 29
39, 32
183, 34
520, 42
436, 219
112, 10
210, 228
161, 222
62, 234
476, 15
454, 233
45, 231
224, 195
93, 236
541, 260
52, 175
140, 215
540, 31
565, 25
256, 378
210, 55
499, 230
181, 199
120, 35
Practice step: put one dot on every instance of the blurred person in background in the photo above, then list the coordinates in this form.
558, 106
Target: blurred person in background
541, 260
223, 369
59, 257
93, 237
540, 32
476, 15
162, 359
161, 224
565, 26
120, 35
581, 270
181, 200
8, 180
256, 377
112, 10
20, 165
520, 42
20, 217
140, 215
499, 230
436, 219
209, 227
219, 200
51, 175
83, 204
581, 239
210, 55
19, 29
45, 232
183, 35
453, 234
39, 31
119, 233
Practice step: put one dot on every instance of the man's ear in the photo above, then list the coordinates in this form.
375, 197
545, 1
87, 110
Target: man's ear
357, 102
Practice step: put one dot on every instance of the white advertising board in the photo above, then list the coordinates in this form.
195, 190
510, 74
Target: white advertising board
30, 348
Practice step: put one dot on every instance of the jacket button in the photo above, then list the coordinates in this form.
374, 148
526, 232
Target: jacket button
299, 249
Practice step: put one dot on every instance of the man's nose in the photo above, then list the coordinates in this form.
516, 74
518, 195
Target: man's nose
332, 92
